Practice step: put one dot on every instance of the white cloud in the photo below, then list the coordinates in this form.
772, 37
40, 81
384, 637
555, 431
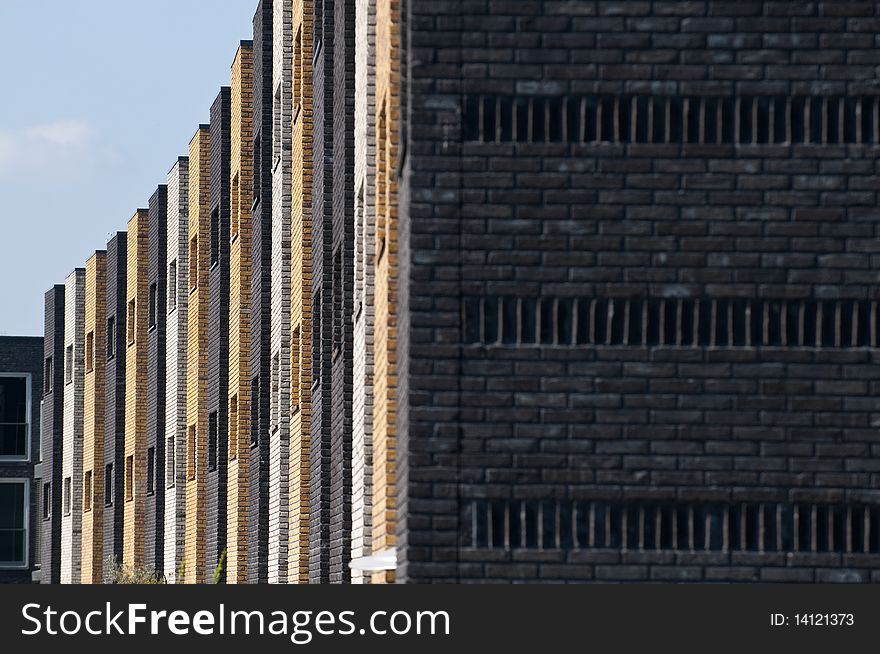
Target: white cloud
58, 146
67, 132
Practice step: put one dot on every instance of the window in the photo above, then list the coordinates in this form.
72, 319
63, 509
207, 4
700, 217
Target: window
87, 491
258, 167
151, 470
47, 500
151, 307
276, 128
48, 374
131, 320
233, 428
68, 364
255, 410
316, 338
215, 236
297, 75
15, 422
193, 263
169, 462
235, 209
14, 504
337, 303
108, 484
129, 478
172, 286
65, 497
90, 352
212, 442
38, 534
295, 379
111, 337
191, 453
276, 391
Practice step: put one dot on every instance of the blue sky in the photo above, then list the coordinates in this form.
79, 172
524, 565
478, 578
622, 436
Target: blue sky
99, 99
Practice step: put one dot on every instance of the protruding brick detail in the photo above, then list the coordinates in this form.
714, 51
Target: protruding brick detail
261, 304
71, 448
279, 431
240, 270
364, 282
301, 295
134, 462
177, 284
93, 419
154, 539
114, 404
51, 433
199, 254
385, 381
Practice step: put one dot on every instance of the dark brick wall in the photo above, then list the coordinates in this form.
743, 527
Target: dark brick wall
218, 327
48, 471
322, 218
114, 384
627, 449
154, 532
258, 470
25, 354
341, 277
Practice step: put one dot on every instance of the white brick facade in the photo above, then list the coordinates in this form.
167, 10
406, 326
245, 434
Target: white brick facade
282, 48
72, 434
365, 228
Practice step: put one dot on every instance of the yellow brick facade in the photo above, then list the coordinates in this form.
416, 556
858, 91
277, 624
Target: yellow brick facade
241, 228
134, 461
385, 380
301, 293
93, 420
197, 355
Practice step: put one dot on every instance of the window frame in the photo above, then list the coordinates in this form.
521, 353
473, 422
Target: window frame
25, 563
28, 377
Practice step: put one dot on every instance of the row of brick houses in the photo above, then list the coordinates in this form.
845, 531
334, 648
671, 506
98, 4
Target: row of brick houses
492, 290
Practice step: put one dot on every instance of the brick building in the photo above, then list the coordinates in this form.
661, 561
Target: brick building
21, 454
547, 290
47, 472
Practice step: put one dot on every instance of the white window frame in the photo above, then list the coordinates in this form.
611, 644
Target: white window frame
16, 565
28, 419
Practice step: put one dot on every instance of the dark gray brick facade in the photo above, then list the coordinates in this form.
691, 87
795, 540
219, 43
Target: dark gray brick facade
645, 174
218, 332
114, 389
154, 531
258, 470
